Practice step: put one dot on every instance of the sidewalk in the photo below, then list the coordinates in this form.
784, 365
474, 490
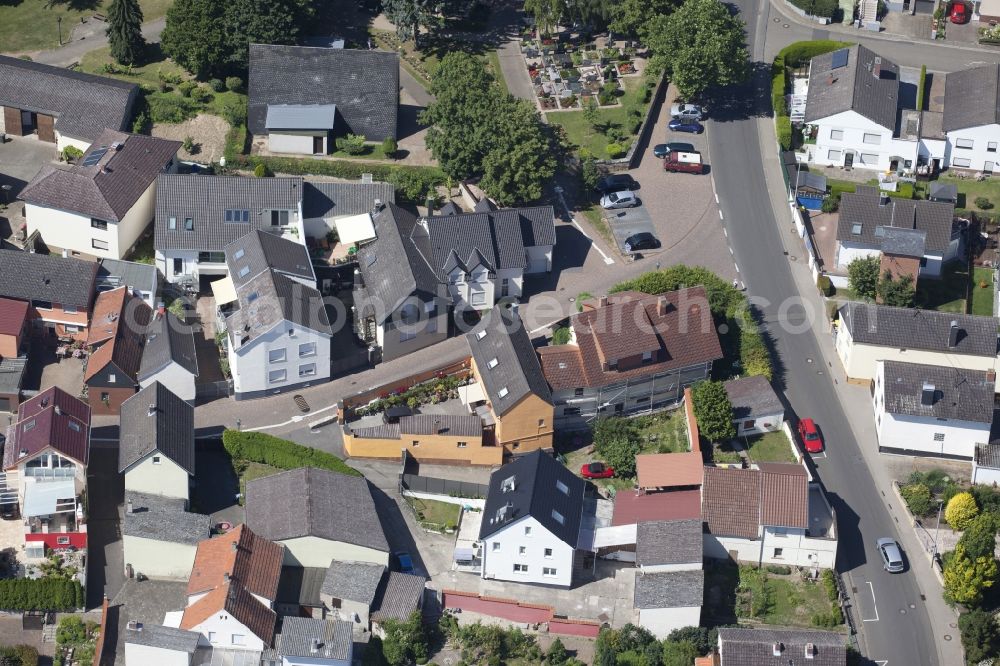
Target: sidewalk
71, 52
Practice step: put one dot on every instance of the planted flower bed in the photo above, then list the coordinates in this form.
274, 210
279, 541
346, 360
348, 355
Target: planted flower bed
431, 392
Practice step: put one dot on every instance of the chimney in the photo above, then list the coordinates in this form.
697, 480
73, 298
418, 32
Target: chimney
927, 394
129, 506
603, 302
134, 625
877, 67
991, 375
661, 306
161, 308
358, 279
225, 577
378, 206
953, 334
810, 650
65, 254
314, 648
883, 200
235, 546
777, 648
152, 410
57, 410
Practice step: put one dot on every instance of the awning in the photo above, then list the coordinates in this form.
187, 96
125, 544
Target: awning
355, 228
224, 290
45, 498
471, 393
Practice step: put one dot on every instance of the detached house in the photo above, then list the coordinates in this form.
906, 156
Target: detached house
301, 97
100, 206
45, 470
60, 290
61, 106
117, 331
156, 443
971, 117
169, 356
870, 333
631, 353
931, 410
531, 522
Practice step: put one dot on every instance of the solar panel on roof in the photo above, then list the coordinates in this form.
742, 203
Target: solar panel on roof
95, 156
839, 59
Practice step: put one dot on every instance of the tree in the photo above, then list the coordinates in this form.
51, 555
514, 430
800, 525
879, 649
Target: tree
980, 536
699, 46
634, 17
961, 510
980, 635
917, 497
410, 15
966, 579
125, 31
591, 113
545, 12
612, 645
713, 411
521, 160
404, 642
620, 454
899, 292
704, 639
681, 653
557, 654
590, 174
862, 276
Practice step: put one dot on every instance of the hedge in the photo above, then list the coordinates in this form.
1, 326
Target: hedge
267, 449
800, 53
778, 87
823, 8
18, 655
784, 132
920, 87
41, 594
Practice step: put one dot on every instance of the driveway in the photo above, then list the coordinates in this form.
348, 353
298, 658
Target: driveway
106, 491
20, 159
627, 222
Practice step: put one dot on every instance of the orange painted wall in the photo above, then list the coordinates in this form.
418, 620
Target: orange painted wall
438, 448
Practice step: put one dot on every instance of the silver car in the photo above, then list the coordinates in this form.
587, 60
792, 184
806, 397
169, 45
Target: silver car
687, 111
892, 555
623, 199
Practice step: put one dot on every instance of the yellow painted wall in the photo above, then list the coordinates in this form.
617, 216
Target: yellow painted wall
443, 448
528, 423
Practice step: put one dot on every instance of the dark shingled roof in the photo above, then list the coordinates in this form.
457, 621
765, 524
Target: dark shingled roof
354, 581
669, 589
753, 397
943, 191
84, 105
300, 585
363, 84
314, 502
168, 340
27, 276
108, 188
853, 87
165, 638
270, 298
205, 199
909, 328
297, 634
168, 430
114, 273
668, 542
164, 519
38, 425
260, 250
323, 199
876, 212
517, 369
966, 395
399, 595
972, 98
755, 647
535, 494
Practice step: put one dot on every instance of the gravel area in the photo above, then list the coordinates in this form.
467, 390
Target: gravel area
207, 131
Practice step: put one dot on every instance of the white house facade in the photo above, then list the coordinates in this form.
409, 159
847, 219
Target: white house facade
147, 644
288, 356
526, 552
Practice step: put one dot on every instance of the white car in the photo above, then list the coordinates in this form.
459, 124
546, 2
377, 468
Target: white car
623, 199
687, 112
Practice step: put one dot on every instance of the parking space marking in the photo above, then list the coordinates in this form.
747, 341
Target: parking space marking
716, 197
725, 232
720, 215
874, 604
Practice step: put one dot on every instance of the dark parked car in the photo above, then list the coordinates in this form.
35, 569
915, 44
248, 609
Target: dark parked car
689, 126
641, 241
661, 149
616, 183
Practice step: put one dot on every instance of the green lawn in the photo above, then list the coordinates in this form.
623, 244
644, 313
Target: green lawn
725, 454
982, 298
595, 215
947, 293
493, 58
32, 25
583, 135
665, 432
94, 62
434, 513
969, 190
770, 447
793, 601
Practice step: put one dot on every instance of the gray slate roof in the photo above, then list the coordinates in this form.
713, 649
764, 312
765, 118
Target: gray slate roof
966, 395
354, 581
668, 542
165, 638
205, 199
11, 374
904, 242
164, 519
399, 596
168, 430
260, 250
108, 188
114, 273
297, 635
363, 84
314, 502
867, 207
535, 494
26, 276
853, 87
300, 585
452, 425
988, 455
300, 116
972, 98
669, 589
270, 298
944, 191
518, 369
753, 397
84, 104
755, 647
907, 328
168, 340
323, 199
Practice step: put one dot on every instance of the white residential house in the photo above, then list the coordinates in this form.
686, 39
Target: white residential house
770, 514
100, 206
756, 407
160, 536
531, 522
670, 583
931, 410
147, 644
869, 333
169, 356
312, 642
156, 443
971, 118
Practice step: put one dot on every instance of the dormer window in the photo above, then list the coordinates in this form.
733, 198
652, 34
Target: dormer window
502, 393
457, 277
74, 426
494, 362
481, 334
856, 229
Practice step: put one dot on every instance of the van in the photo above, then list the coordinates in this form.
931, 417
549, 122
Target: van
683, 162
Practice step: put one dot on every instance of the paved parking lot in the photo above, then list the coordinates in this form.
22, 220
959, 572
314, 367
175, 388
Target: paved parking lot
628, 222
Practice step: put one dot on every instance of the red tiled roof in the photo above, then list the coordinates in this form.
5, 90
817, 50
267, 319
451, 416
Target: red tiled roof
12, 316
254, 563
669, 470
238, 602
627, 326
737, 502
106, 317
784, 495
120, 335
52, 418
632, 508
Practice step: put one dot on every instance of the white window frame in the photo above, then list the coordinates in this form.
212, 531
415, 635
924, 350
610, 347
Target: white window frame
280, 359
872, 139
277, 376
496, 546
239, 639
307, 370
836, 135
548, 553
964, 144
834, 155
991, 146
549, 572
869, 159
477, 298
98, 244
70, 309
307, 349
961, 162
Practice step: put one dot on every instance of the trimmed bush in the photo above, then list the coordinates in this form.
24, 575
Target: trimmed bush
260, 171
778, 87
960, 511
921, 87
352, 144
799, 53
234, 83
186, 87
615, 150
778, 569
830, 585
72, 153
168, 108
784, 132
917, 497
235, 111
389, 146
828, 620
825, 286
831, 203
983, 203
217, 85
267, 449
44, 594
560, 336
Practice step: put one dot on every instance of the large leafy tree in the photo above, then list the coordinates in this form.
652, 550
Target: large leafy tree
713, 411
125, 31
634, 17
980, 536
700, 46
546, 13
476, 129
862, 276
404, 642
899, 291
967, 578
410, 15
980, 635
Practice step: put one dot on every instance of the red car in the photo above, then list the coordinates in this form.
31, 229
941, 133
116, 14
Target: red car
810, 436
596, 470
959, 13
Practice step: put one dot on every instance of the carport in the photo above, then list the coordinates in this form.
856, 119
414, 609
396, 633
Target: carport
22, 122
